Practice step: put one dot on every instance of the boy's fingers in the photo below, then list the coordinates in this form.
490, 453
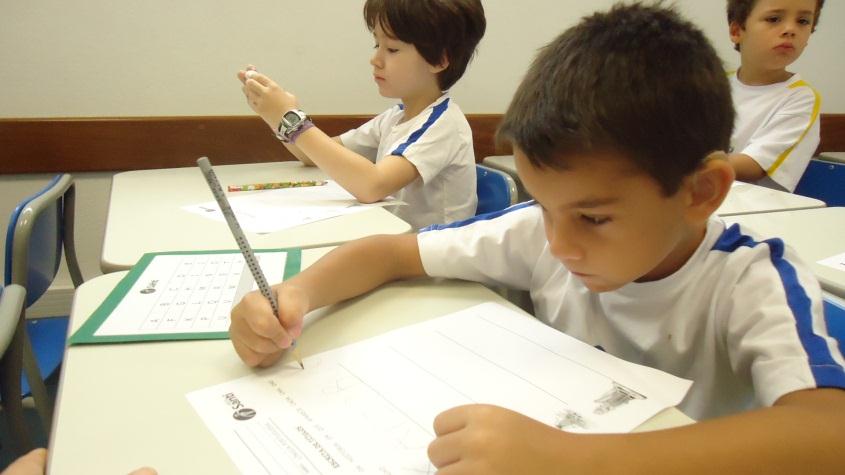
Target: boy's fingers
451, 420
255, 87
269, 328
445, 450
246, 337
252, 358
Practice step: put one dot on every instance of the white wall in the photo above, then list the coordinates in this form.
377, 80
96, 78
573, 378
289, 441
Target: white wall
157, 57
90, 58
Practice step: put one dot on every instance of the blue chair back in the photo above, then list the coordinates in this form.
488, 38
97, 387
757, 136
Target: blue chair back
496, 190
834, 315
40, 227
825, 181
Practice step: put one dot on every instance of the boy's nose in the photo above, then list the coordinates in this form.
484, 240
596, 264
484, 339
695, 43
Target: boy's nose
564, 246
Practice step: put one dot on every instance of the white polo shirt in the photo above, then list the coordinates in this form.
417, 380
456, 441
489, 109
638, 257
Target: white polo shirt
742, 318
778, 126
438, 142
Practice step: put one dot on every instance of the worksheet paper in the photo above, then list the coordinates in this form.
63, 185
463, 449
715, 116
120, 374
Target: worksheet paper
267, 211
188, 293
836, 262
369, 407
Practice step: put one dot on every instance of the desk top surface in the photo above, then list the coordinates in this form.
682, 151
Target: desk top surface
815, 234
144, 214
833, 156
123, 406
744, 198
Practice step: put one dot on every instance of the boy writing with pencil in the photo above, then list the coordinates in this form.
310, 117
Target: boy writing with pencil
419, 151
619, 131
777, 126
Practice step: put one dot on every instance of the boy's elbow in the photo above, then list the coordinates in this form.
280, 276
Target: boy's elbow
371, 194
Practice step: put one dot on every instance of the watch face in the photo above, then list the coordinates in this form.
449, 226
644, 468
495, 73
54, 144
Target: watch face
292, 117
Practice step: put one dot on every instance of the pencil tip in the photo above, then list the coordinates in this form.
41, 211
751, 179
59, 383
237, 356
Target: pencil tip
301, 365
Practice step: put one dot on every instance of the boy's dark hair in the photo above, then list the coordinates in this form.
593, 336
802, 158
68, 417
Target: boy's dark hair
437, 28
636, 80
738, 11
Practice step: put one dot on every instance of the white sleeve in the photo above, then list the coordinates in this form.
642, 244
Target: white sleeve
498, 251
365, 139
435, 144
775, 331
784, 145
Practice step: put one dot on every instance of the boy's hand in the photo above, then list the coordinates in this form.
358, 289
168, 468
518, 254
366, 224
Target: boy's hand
492, 440
260, 337
265, 97
33, 463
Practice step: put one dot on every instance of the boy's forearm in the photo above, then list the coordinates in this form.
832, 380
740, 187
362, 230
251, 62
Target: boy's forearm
299, 154
358, 267
788, 438
352, 171
746, 168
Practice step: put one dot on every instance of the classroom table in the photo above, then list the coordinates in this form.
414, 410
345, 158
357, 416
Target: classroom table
815, 234
123, 406
743, 198
832, 156
144, 214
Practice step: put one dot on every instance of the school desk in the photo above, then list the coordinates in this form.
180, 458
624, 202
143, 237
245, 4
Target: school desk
145, 214
124, 406
833, 156
743, 198
815, 234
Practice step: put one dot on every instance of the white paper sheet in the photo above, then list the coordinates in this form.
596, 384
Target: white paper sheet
191, 293
836, 262
268, 211
369, 407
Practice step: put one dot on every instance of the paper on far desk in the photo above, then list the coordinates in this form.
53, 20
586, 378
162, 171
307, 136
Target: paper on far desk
836, 262
369, 407
274, 210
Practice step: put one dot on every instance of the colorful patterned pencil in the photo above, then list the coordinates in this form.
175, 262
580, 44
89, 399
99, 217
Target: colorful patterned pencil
275, 186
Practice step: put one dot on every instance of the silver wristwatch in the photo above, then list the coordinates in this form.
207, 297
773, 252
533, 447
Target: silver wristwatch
292, 122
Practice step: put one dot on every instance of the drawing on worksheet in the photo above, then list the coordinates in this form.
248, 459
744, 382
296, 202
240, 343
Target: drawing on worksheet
180, 296
369, 407
616, 397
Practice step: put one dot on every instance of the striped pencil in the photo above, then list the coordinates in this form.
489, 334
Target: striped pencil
276, 185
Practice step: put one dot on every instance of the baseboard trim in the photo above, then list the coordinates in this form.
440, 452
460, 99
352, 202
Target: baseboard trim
95, 144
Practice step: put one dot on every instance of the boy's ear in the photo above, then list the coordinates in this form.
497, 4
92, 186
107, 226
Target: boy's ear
736, 30
444, 63
708, 186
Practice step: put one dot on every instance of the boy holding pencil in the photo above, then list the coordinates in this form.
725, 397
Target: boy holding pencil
419, 151
619, 131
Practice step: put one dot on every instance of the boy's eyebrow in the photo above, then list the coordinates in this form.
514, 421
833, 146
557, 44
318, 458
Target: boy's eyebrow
591, 203
783, 10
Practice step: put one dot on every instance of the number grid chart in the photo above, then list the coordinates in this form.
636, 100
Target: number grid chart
181, 296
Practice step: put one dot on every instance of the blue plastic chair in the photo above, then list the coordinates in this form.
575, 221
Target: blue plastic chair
496, 190
39, 228
825, 181
834, 315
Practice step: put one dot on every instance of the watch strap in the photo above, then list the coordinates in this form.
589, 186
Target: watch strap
306, 124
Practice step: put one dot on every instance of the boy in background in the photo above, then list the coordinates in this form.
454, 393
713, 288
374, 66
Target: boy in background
619, 131
777, 127
419, 151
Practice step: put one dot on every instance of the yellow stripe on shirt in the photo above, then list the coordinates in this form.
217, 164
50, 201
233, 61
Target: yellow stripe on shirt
816, 108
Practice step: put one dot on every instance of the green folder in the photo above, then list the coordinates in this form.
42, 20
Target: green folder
87, 332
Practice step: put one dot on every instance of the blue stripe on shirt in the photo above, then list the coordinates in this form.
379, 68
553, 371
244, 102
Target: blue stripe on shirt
826, 371
436, 112
476, 218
